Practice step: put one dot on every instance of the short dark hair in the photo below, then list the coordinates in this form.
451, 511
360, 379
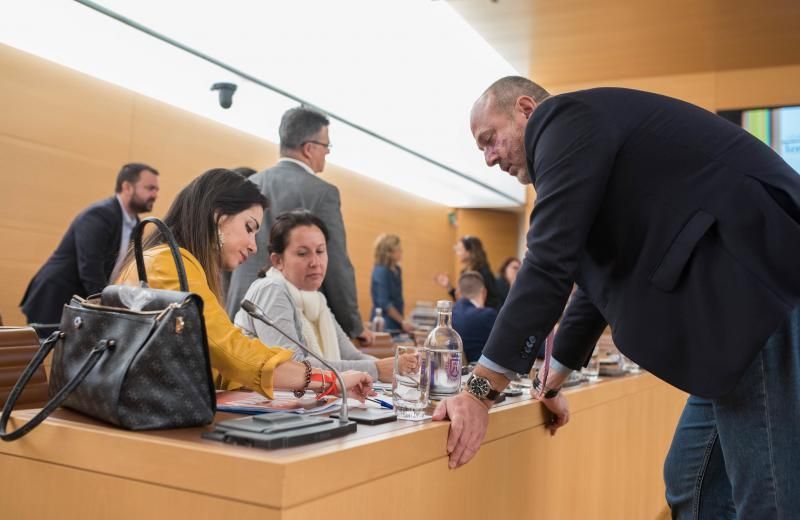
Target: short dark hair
299, 125
130, 173
283, 226
470, 284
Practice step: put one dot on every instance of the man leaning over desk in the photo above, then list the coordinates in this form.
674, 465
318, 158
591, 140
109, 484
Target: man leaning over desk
682, 232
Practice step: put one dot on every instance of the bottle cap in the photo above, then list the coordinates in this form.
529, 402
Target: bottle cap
444, 305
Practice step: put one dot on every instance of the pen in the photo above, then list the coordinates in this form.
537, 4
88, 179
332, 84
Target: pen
381, 402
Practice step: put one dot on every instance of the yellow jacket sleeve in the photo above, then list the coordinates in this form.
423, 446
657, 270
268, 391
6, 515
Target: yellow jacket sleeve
236, 359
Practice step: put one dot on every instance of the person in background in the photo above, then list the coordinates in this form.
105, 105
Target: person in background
470, 253
387, 283
93, 247
293, 183
288, 292
215, 220
506, 276
471, 319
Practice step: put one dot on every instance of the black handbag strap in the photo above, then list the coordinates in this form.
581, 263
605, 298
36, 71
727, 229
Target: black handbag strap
56, 400
169, 238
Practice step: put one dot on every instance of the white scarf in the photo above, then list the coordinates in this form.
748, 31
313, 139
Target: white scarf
314, 311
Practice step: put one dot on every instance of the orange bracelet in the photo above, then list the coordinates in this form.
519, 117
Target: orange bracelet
323, 377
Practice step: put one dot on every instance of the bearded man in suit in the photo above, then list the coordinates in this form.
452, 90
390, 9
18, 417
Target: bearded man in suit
93, 247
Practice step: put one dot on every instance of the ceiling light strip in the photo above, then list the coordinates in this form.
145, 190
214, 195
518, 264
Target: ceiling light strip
136, 25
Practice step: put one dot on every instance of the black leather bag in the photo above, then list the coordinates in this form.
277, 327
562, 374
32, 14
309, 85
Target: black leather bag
140, 370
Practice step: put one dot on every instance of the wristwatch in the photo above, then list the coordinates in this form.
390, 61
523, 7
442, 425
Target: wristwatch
481, 388
537, 386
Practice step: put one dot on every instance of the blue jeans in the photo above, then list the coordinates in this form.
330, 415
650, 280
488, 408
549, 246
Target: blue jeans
738, 456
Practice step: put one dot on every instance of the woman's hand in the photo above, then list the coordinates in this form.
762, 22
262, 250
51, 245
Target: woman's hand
443, 280
358, 384
407, 326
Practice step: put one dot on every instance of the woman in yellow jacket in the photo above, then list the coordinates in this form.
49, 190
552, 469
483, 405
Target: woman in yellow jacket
215, 220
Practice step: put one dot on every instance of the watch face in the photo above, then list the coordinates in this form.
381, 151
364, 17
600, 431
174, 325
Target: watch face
479, 386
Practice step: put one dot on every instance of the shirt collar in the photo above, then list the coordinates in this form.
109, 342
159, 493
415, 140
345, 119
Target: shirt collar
299, 163
127, 219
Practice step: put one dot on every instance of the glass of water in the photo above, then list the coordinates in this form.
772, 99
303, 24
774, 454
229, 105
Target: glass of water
411, 382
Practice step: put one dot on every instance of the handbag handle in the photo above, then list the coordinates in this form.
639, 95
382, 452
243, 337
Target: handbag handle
56, 400
136, 236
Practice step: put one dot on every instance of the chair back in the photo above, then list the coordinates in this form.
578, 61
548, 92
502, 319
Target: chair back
17, 347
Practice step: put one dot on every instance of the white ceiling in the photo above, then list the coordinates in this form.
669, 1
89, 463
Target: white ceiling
408, 70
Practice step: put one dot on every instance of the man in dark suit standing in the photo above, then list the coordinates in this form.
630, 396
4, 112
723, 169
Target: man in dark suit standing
291, 184
471, 318
681, 232
92, 248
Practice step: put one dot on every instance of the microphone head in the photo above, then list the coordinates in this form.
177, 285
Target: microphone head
249, 306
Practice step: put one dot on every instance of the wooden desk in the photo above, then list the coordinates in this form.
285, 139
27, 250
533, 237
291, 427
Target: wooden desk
605, 464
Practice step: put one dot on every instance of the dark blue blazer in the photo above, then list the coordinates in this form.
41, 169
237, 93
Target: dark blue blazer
681, 230
473, 324
81, 264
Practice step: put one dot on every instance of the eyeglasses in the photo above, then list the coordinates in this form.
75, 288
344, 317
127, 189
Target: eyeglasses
326, 145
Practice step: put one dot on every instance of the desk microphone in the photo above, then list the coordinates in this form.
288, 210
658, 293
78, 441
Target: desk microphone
281, 429
253, 310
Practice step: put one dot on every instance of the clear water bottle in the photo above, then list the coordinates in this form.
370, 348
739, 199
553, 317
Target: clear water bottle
378, 323
446, 353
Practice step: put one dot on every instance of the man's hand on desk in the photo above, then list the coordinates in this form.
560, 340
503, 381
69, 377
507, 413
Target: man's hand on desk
469, 419
559, 410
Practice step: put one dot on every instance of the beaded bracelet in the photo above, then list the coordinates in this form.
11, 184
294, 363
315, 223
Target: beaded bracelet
301, 392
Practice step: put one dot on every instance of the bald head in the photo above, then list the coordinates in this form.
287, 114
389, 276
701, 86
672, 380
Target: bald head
503, 94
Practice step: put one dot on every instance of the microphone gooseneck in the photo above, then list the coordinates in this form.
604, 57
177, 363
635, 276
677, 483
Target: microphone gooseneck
253, 310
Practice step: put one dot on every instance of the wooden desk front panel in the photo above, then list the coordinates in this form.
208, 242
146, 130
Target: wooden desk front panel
605, 464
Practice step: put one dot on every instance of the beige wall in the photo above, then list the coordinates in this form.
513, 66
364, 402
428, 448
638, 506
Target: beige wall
64, 136
716, 90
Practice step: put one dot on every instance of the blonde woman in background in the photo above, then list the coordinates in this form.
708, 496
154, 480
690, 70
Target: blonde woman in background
386, 286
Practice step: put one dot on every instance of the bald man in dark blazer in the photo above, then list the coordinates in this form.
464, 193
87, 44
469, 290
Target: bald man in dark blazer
682, 233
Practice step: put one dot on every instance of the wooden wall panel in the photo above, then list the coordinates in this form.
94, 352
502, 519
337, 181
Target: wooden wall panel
58, 108
64, 136
370, 209
742, 88
751, 88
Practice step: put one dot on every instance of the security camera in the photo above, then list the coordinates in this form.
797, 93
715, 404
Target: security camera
226, 91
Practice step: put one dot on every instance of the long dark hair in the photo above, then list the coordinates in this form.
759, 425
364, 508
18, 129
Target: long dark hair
501, 273
194, 215
283, 226
477, 255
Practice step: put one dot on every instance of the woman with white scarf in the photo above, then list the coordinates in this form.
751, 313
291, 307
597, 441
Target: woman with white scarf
288, 293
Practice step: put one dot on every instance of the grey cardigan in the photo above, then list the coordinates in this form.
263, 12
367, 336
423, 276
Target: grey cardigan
273, 297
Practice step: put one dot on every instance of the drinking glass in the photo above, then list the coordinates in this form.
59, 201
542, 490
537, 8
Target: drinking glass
411, 382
